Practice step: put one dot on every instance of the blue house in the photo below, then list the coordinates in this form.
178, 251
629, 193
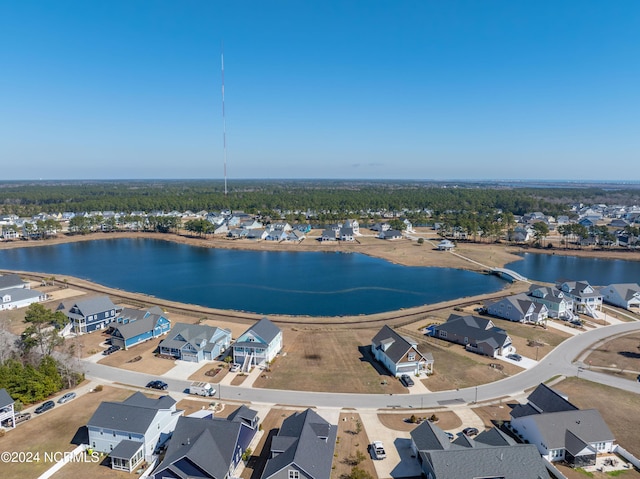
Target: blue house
91, 314
208, 447
135, 326
257, 345
195, 342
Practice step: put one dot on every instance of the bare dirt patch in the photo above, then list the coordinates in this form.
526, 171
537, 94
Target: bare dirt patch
494, 414
618, 408
329, 360
213, 372
149, 362
55, 430
351, 440
400, 422
621, 353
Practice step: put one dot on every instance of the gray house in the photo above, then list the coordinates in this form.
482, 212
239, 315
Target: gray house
302, 449
519, 308
7, 412
559, 305
492, 454
622, 295
208, 448
11, 281
399, 354
257, 345
560, 430
195, 342
585, 298
130, 431
478, 335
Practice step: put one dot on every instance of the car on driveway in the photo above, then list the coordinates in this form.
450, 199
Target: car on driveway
19, 417
45, 406
449, 435
157, 384
110, 350
235, 367
514, 357
406, 380
377, 450
470, 431
67, 397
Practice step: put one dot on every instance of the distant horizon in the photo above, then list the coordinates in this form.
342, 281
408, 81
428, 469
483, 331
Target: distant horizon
331, 89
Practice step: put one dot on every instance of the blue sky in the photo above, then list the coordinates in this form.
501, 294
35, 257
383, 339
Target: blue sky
325, 89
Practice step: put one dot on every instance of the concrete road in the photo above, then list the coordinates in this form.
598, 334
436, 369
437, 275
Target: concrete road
558, 362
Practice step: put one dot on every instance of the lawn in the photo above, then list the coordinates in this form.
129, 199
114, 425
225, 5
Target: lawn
618, 408
329, 360
621, 353
54, 431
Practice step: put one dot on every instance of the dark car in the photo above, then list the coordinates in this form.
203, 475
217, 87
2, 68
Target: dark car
514, 357
157, 384
406, 380
470, 431
110, 350
45, 406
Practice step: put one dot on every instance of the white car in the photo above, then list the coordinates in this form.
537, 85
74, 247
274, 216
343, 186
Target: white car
377, 450
234, 367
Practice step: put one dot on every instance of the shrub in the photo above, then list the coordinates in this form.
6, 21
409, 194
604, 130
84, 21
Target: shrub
98, 388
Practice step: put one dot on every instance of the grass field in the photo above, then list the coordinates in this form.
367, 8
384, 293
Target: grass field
621, 353
399, 422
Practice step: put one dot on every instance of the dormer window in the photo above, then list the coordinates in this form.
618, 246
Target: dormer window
411, 356
294, 474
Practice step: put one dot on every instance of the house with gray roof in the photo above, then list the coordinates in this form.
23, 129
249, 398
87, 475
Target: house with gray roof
195, 342
257, 345
399, 354
90, 314
492, 454
12, 281
208, 448
14, 298
519, 308
559, 305
7, 412
130, 431
135, 326
560, 430
302, 449
390, 235
476, 334
625, 295
585, 298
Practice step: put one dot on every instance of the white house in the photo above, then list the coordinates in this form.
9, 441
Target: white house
585, 298
400, 355
519, 308
626, 295
20, 298
257, 345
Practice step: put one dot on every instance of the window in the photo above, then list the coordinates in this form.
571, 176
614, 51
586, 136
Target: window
411, 356
443, 334
294, 474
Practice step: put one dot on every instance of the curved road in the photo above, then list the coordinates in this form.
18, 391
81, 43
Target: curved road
558, 362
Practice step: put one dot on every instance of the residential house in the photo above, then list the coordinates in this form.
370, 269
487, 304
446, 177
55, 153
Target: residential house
519, 308
585, 298
381, 227
251, 225
12, 281
7, 411
446, 245
400, 355
558, 304
90, 314
354, 225
302, 449
257, 345
560, 430
346, 234
195, 342
329, 234
390, 235
209, 448
20, 298
135, 326
491, 454
478, 335
130, 431
625, 295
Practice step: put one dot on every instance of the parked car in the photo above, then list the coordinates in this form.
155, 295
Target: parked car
67, 397
470, 431
406, 380
157, 384
449, 435
377, 450
514, 357
20, 417
576, 322
234, 367
45, 406
111, 350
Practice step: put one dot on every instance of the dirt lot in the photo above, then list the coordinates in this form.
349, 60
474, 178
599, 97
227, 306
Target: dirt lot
201, 374
149, 362
615, 406
621, 353
400, 421
494, 413
350, 440
55, 431
329, 360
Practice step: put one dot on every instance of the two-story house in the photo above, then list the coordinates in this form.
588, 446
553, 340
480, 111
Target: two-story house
90, 314
195, 342
399, 354
257, 345
134, 326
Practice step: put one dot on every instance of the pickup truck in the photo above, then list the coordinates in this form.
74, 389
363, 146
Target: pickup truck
377, 450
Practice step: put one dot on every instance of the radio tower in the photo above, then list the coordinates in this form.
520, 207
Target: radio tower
224, 125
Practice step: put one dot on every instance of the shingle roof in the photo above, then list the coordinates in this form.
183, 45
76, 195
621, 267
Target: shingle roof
5, 399
428, 436
11, 281
546, 399
476, 328
586, 424
394, 345
20, 294
138, 326
97, 304
194, 334
300, 435
126, 449
264, 329
494, 437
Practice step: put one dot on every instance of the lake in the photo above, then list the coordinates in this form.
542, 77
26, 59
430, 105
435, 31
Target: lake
266, 282
597, 271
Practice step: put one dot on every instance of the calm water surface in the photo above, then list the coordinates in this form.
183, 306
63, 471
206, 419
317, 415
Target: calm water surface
598, 271
267, 282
